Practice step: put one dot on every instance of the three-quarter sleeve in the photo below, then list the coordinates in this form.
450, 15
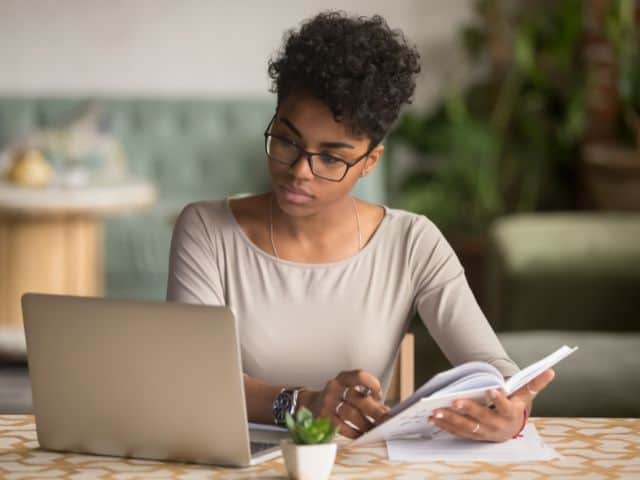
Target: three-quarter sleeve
194, 276
447, 306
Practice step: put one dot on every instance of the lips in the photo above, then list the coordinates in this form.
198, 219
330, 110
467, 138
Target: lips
294, 196
296, 191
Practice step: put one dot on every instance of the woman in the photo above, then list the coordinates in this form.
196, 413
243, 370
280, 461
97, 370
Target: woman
323, 284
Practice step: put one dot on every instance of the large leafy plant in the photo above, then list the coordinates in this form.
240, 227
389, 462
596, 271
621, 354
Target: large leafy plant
508, 142
306, 430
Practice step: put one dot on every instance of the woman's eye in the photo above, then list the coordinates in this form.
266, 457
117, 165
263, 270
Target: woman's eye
328, 158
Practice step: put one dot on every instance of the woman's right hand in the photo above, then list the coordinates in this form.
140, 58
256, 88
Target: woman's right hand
342, 401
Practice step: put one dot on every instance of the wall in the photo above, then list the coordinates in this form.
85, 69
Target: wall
190, 47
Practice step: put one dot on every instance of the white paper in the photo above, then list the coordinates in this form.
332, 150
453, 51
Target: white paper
443, 446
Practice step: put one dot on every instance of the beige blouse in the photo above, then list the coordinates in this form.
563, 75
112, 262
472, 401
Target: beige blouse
302, 324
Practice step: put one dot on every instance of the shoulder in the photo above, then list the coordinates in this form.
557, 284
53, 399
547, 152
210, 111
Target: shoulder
413, 228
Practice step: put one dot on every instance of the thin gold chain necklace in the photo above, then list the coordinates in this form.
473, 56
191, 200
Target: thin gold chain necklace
273, 245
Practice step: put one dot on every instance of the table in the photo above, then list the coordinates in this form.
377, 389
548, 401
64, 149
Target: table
51, 238
591, 448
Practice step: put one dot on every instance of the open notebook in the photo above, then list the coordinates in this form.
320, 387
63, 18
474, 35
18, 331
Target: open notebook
469, 380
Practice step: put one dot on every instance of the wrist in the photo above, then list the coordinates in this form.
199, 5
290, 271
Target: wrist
305, 398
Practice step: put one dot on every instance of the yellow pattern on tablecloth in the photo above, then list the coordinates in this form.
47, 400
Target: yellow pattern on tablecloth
590, 447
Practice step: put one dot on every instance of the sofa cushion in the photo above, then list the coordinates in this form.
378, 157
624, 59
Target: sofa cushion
599, 380
565, 271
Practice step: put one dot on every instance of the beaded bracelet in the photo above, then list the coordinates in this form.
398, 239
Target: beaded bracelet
524, 424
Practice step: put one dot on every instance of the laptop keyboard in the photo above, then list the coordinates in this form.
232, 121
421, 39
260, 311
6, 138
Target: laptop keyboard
257, 447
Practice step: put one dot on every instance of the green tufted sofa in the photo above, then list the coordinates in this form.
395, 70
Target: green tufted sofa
190, 148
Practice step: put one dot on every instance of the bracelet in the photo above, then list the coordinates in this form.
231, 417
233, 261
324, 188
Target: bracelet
524, 424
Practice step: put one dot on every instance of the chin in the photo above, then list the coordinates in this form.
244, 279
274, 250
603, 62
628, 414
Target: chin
293, 207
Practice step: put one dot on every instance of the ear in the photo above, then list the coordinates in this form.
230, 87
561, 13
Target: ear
371, 161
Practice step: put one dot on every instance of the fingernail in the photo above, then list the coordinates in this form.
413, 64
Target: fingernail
458, 406
439, 415
493, 393
371, 419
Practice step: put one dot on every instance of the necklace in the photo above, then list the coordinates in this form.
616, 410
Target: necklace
273, 245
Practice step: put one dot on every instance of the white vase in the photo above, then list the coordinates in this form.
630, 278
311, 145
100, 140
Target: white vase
308, 462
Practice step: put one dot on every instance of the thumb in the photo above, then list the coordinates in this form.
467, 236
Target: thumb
535, 386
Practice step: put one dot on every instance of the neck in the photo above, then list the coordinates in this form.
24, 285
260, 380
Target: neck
339, 215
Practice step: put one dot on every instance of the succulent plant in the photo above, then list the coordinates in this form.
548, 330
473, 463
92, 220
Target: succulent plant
306, 430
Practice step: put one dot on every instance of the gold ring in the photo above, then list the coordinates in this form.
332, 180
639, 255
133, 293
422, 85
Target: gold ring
477, 427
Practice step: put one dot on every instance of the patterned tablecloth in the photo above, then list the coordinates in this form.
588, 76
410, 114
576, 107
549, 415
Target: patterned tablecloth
591, 448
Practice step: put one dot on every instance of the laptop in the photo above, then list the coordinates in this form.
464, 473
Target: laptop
152, 380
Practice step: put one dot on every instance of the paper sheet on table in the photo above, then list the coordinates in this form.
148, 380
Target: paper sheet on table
448, 448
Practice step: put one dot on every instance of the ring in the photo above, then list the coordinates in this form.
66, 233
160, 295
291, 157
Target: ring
477, 427
531, 390
362, 390
344, 393
338, 408
350, 424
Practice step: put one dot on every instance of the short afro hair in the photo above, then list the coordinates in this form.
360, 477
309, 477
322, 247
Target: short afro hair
360, 68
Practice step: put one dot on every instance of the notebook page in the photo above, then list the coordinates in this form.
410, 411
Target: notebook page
448, 377
532, 371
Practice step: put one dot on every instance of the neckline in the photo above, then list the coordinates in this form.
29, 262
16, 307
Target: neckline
369, 246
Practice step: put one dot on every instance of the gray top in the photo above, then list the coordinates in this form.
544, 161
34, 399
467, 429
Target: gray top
301, 324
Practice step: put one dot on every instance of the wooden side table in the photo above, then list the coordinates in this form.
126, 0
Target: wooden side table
51, 239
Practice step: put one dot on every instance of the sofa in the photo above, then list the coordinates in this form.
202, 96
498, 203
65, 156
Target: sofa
190, 148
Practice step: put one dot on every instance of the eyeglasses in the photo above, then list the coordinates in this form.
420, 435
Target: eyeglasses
322, 165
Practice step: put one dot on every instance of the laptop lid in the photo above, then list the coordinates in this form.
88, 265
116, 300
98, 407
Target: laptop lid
139, 379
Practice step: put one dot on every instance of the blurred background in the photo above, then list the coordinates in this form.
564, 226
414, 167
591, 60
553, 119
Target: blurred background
522, 145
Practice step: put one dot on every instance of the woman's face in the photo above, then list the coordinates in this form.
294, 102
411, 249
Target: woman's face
309, 123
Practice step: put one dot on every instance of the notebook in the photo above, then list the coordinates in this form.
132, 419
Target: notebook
470, 380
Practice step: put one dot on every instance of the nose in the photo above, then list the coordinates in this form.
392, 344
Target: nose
301, 169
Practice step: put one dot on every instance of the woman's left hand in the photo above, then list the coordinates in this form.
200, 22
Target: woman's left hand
470, 419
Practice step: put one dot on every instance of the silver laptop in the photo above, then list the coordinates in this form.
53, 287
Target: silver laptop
140, 379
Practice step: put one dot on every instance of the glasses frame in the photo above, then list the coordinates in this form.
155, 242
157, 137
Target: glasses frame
309, 155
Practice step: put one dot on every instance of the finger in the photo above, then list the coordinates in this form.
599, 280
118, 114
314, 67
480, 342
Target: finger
505, 407
373, 410
345, 429
352, 378
459, 425
348, 413
535, 386
476, 411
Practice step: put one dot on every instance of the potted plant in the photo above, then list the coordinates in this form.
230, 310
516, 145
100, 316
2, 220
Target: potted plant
309, 453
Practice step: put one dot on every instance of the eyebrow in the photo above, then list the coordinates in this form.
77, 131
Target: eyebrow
292, 127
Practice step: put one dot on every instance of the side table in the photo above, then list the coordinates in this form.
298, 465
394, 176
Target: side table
51, 239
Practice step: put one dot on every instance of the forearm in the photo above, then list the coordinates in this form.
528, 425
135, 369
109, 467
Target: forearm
260, 396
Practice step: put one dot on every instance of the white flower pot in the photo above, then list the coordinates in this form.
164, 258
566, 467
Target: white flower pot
308, 462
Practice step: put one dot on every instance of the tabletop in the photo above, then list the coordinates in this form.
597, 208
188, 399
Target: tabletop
95, 198
590, 448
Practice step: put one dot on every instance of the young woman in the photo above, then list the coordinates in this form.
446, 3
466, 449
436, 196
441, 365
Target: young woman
324, 285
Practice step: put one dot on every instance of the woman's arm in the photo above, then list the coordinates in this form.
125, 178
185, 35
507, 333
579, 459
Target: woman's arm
450, 312
193, 271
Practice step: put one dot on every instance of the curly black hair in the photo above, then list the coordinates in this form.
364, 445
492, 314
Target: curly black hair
359, 67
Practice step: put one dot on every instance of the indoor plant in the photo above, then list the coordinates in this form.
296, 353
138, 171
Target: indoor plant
611, 153
309, 453
507, 142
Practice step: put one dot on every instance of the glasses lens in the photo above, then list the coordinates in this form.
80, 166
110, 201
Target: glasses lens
328, 167
282, 151
324, 166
